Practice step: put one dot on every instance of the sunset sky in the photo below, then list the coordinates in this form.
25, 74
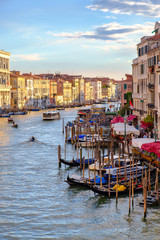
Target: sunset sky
92, 38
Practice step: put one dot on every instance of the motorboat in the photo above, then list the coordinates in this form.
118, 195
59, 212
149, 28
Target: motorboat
51, 115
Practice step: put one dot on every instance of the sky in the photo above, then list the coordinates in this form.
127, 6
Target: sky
93, 38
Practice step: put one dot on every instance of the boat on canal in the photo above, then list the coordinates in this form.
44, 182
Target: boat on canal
51, 115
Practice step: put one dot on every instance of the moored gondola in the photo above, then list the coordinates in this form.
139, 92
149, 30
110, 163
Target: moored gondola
70, 163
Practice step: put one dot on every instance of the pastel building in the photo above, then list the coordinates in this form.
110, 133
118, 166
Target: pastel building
5, 93
126, 87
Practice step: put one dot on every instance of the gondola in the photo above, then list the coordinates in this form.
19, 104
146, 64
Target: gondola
10, 120
71, 163
76, 162
15, 125
105, 191
76, 180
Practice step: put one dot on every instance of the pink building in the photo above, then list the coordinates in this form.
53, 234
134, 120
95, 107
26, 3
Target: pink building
126, 86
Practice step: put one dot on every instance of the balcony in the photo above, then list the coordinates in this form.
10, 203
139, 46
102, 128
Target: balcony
151, 69
151, 105
151, 86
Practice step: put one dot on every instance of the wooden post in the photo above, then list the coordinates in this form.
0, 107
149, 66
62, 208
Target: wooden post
117, 188
59, 155
129, 195
132, 182
103, 154
145, 194
63, 125
109, 180
149, 179
83, 166
100, 168
130, 189
88, 167
80, 157
65, 151
112, 152
136, 171
157, 184
66, 133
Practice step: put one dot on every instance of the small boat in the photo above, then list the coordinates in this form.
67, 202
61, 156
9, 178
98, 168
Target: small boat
60, 108
32, 139
71, 163
15, 125
10, 120
76, 180
105, 190
51, 115
5, 115
76, 162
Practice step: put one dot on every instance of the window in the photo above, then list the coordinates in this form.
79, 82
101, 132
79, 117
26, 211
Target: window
142, 69
146, 49
125, 96
142, 50
139, 52
154, 60
125, 86
157, 59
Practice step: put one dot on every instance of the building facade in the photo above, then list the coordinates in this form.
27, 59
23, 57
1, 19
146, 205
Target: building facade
146, 77
5, 93
126, 87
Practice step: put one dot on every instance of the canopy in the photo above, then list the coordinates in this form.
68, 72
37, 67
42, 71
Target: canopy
138, 142
117, 119
119, 129
131, 117
153, 147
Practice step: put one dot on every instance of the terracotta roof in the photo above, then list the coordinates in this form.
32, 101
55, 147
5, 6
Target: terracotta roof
156, 37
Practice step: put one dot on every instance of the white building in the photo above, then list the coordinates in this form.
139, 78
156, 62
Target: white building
5, 93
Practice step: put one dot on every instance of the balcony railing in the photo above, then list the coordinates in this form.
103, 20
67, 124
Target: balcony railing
150, 105
151, 86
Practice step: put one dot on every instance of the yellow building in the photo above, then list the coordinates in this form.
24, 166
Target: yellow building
5, 94
67, 92
111, 89
78, 91
18, 90
87, 92
53, 91
41, 92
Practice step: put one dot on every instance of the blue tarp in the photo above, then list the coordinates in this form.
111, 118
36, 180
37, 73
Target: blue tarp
98, 180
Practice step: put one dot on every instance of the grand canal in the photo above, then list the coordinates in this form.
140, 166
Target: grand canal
36, 203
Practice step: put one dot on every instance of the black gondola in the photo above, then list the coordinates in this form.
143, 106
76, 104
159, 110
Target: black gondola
75, 162
105, 191
71, 163
76, 180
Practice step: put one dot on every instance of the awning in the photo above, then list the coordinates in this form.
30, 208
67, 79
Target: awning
137, 142
119, 129
131, 117
117, 119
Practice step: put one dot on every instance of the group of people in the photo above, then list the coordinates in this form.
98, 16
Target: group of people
146, 134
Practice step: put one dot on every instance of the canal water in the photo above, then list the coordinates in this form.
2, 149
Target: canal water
36, 203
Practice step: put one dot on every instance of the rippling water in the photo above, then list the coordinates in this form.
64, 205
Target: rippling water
36, 203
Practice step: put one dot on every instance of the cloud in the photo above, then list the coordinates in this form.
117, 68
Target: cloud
111, 17
26, 57
111, 32
138, 7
